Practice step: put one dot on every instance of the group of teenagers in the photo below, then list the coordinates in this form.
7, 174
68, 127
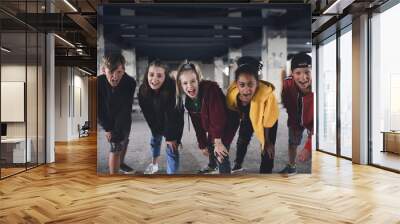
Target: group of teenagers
249, 105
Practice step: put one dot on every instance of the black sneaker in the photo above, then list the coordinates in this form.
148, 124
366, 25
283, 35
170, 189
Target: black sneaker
237, 169
208, 170
289, 170
125, 169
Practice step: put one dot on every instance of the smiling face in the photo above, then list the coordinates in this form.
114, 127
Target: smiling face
155, 77
247, 85
302, 78
189, 83
114, 77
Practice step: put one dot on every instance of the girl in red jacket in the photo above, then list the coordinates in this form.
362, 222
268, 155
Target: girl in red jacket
207, 109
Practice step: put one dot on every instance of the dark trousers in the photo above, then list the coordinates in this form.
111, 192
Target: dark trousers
245, 134
224, 166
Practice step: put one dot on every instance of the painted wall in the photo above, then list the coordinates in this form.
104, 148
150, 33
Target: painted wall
71, 102
33, 126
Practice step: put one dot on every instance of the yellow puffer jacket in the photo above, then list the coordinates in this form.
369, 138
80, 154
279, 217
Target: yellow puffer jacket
264, 110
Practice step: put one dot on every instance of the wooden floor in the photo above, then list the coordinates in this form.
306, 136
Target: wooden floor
387, 159
10, 171
69, 191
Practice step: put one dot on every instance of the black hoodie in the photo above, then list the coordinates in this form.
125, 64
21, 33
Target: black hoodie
115, 106
160, 112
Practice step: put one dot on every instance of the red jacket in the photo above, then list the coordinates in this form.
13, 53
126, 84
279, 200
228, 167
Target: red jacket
298, 119
213, 121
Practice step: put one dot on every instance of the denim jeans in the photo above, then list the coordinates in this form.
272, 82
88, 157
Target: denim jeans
172, 155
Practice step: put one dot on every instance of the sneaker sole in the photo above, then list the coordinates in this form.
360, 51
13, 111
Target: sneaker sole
288, 174
150, 173
238, 170
127, 172
208, 172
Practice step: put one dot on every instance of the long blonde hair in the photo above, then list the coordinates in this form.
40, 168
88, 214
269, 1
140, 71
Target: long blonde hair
186, 66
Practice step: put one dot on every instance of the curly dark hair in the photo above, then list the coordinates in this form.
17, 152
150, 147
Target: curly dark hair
248, 65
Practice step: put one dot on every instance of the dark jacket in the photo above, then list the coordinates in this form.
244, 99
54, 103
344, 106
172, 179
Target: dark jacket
115, 106
213, 120
160, 112
299, 114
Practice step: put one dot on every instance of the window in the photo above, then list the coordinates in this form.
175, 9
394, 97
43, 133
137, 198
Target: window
22, 76
346, 93
327, 96
385, 88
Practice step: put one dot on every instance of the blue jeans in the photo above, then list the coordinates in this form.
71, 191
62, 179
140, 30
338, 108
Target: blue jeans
172, 155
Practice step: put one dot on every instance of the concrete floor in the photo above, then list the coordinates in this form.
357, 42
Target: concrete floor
139, 155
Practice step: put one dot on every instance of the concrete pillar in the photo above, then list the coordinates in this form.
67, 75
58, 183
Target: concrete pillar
100, 40
130, 58
141, 67
273, 56
50, 93
219, 71
360, 90
264, 51
233, 55
218, 63
129, 54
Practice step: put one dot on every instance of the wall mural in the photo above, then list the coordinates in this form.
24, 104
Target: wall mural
204, 89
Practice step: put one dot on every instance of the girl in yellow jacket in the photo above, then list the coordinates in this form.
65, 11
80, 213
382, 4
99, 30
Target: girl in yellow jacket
255, 102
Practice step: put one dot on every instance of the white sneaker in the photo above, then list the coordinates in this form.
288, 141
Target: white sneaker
216, 171
151, 169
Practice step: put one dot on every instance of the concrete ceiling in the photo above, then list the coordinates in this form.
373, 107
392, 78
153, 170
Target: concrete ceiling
176, 32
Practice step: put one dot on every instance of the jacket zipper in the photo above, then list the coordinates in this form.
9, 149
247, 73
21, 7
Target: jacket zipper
302, 112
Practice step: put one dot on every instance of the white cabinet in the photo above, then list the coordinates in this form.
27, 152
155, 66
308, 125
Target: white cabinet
17, 145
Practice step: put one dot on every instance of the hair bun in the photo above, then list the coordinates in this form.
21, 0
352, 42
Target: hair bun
249, 61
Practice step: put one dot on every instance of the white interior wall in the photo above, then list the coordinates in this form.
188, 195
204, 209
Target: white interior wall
80, 93
61, 103
33, 126
71, 93
14, 73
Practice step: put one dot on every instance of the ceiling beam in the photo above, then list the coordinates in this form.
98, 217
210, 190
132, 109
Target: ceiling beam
183, 39
84, 24
49, 22
83, 61
185, 32
205, 21
79, 20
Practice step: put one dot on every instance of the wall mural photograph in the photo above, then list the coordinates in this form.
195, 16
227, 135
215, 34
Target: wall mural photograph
204, 89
